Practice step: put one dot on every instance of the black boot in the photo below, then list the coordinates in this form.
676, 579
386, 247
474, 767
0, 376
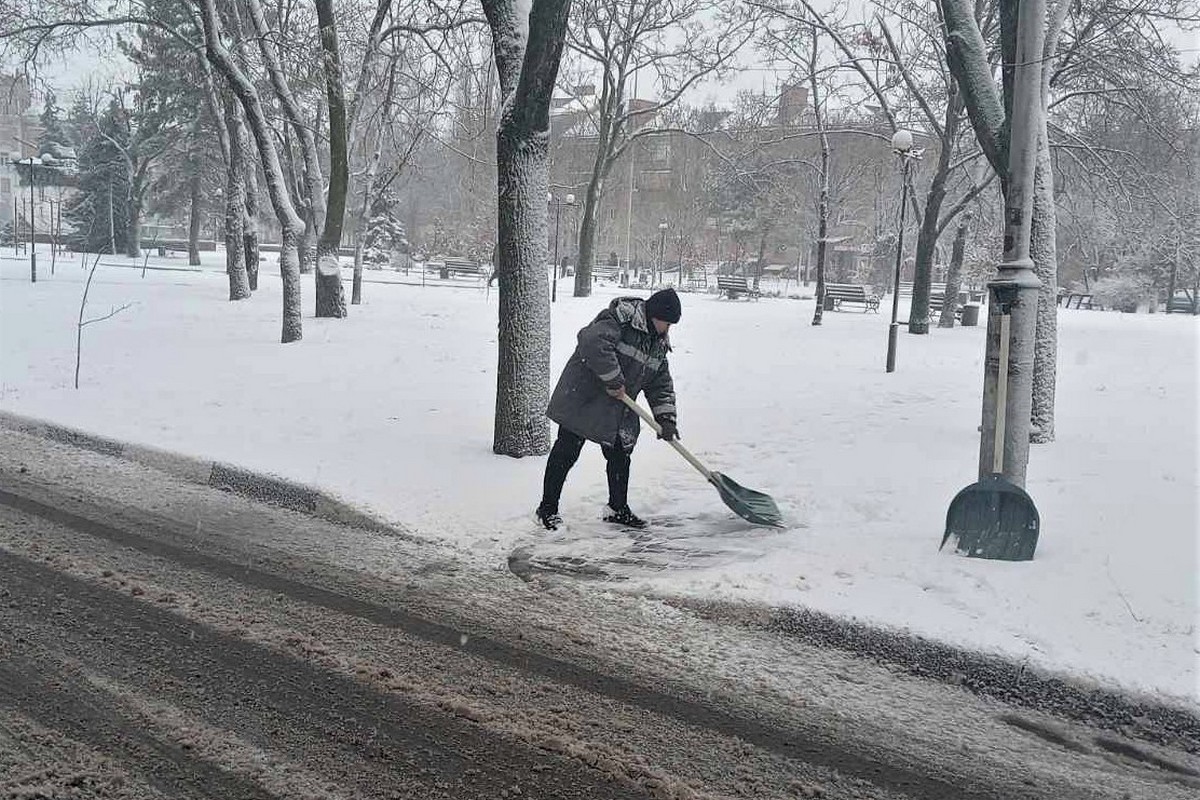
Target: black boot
549, 518
625, 518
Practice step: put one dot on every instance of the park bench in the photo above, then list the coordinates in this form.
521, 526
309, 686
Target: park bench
1181, 303
906, 289
1081, 299
605, 272
733, 286
452, 266
697, 281
165, 248
838, 293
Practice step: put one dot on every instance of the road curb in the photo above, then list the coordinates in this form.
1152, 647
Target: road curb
1010, 681
260, 487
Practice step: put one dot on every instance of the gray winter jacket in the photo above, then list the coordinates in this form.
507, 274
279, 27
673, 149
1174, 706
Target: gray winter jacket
619, 348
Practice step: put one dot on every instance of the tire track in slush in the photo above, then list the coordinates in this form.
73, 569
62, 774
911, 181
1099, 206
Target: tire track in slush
789, 744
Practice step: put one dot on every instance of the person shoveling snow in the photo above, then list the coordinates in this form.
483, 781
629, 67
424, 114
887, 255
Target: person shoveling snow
621, 353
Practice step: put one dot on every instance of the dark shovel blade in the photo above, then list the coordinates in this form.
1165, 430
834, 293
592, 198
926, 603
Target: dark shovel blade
748, 504
993, 518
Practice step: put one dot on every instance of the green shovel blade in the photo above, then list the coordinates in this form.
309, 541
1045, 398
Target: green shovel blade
992, 518
748, 504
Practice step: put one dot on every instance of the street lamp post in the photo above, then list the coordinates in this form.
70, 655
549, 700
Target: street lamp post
32, 228
902, 145
569, 200
662, 251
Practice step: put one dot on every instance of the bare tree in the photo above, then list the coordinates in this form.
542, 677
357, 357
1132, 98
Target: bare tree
677, 43
291, 226
527, 40
1078, 35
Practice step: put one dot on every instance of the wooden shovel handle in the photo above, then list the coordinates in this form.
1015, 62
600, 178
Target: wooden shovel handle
1001, 395
679, 448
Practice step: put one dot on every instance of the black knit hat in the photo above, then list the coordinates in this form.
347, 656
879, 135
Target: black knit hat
664, 305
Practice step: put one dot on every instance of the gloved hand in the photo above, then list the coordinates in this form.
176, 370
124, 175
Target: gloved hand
616, 392
669, 432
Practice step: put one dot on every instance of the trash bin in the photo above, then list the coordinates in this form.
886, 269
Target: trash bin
970, 315
162, 251
829, 302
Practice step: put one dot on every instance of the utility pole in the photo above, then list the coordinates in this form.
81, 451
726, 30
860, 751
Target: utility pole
1015, 288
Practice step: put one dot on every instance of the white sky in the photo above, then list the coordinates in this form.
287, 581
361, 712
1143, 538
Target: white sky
74, 73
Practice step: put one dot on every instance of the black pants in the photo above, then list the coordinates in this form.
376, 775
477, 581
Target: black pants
563, 456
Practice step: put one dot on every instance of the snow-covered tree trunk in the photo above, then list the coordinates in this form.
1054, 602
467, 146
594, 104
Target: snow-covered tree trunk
331, 300
133, 225
250, 228
527, 39
235, 202
966, 55
195, 218
289, 221
931, 228
823, 200
1044, 252
954, 271
587, 232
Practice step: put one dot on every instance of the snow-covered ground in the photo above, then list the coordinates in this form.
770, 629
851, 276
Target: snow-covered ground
392, 409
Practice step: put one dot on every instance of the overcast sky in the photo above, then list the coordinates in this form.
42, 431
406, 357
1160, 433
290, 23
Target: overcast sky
104, 66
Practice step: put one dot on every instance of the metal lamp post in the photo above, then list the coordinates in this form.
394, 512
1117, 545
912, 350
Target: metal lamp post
662, 251
32, 227
569, 200
902, 145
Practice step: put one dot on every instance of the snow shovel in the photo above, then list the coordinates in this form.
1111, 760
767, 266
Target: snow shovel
748, 504
993, 517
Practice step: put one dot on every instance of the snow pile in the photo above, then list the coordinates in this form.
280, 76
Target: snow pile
392, 410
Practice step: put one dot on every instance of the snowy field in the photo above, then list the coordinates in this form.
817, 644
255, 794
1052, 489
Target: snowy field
391, 409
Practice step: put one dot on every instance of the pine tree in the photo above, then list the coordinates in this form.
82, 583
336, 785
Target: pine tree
54, 131
97, 215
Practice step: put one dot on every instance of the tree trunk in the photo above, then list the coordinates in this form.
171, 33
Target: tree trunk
195, 218
591, 212
954, 272
289, 272
587, 239
527, 53
112, 226
289, 222
360, 238
250, 228
356, 284
822, 229
133, 231
1043, 251
235, 255
235, 202
331, 300
823, 202
918, 314
927, 237
523, 379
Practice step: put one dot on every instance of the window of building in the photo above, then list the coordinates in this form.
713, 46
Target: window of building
5, 186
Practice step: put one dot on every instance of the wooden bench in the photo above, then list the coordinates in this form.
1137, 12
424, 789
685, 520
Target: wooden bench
906, 289
167, 248
605, 272
855, 294
1081, 299
733, 286
1181, 303
462, 266
697, 282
